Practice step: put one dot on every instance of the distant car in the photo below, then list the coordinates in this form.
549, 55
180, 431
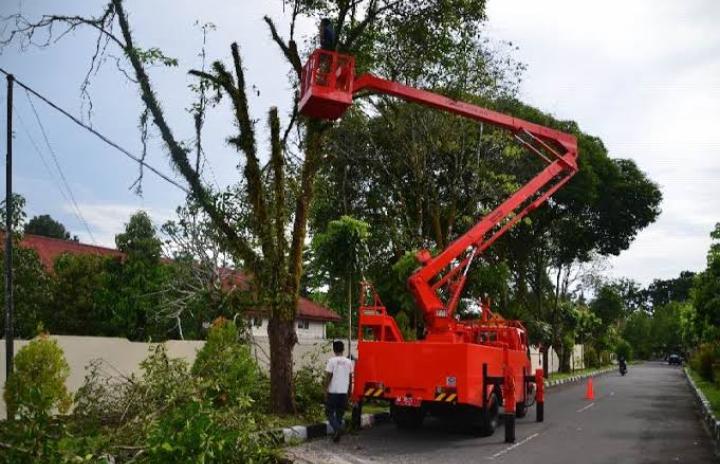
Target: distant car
675, 359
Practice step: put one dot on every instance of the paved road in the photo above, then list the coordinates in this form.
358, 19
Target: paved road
649, 416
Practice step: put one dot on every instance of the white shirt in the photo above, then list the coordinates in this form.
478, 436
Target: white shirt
340, 368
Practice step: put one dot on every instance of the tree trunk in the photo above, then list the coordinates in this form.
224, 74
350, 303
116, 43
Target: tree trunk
283, 338
563, 358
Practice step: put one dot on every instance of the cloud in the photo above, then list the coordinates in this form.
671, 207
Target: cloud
642, 76
107, 220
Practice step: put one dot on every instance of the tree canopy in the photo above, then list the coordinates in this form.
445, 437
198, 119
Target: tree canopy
47, 227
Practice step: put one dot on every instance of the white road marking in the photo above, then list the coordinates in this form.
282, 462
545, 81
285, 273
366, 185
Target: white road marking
586, 407
512, 447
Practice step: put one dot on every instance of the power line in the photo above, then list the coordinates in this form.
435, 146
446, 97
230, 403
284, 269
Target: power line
50, 172
59, 169
105, 139
40, 154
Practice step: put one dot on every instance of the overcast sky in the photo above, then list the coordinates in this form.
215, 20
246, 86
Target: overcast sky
643, 75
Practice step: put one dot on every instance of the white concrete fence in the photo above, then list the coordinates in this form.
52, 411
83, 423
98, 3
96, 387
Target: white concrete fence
124, 356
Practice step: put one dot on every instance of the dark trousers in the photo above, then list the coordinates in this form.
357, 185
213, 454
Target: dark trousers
335, 410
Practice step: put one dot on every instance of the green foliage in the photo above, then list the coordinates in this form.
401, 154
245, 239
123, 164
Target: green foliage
706, 292
623, 350
224, 366
165, 380
340, 256
167, 414
309, 390
18, 214
637, 332
608, 305
666, 331
662, 291
153, 56
591, 357
37, 386
136, 282
81, 299
405, 326
195, 431
705, 359
46, 226
32, 291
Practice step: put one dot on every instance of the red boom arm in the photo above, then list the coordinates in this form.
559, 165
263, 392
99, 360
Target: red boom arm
328, 85
448, 270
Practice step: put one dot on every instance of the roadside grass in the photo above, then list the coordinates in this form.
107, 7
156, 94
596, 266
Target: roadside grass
711, 391
565, 375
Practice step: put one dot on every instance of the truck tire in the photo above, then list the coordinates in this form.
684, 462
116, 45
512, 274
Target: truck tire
406, 417
521, 409
490, 416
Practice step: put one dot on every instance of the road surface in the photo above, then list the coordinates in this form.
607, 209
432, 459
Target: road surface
649, 416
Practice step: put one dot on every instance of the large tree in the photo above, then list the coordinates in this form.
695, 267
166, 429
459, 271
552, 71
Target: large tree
420, 178
136, 281
46, 226
706, 292
270, 245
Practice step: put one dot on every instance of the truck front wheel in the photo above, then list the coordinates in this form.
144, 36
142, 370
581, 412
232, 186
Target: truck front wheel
407, 417
490, 416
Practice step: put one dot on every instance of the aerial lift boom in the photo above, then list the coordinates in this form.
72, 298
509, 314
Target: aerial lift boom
496, 347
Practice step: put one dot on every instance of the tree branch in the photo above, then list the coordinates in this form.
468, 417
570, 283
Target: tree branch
178, 154
290, 51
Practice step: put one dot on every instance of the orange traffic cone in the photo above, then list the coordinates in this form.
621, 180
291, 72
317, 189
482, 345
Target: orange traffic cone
590, 392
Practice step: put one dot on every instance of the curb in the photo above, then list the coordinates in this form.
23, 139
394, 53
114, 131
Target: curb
711, 422
301, 433
576, 378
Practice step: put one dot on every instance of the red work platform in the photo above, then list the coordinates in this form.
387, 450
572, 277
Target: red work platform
327, 84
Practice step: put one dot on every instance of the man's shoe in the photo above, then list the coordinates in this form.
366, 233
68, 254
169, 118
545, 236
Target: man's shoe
336, 436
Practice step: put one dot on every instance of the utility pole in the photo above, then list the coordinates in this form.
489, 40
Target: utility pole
9, 336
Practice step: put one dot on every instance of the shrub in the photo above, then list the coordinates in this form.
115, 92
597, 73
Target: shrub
605, 358
309, 391
165, 380
591, 357
225, 367
37, 386
704, 359
199, 432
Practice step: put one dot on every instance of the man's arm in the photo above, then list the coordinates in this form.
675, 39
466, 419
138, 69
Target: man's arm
326, 381
350, 385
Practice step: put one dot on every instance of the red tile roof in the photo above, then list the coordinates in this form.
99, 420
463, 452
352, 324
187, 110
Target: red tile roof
48, 249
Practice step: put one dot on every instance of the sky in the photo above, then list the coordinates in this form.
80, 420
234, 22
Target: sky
644, 76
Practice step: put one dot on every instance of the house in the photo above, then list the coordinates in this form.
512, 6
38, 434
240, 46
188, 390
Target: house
312, 317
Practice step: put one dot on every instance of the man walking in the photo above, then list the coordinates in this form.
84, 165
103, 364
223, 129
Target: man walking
338, 381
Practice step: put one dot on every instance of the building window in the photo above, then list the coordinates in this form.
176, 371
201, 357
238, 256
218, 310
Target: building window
257, 321
303, 324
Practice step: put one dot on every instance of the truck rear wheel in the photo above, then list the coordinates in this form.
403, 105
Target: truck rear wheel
490, 416
406, 417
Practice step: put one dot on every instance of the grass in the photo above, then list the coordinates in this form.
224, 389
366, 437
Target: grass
711, 391
565, 375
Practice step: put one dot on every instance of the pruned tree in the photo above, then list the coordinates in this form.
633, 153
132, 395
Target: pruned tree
270, 245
